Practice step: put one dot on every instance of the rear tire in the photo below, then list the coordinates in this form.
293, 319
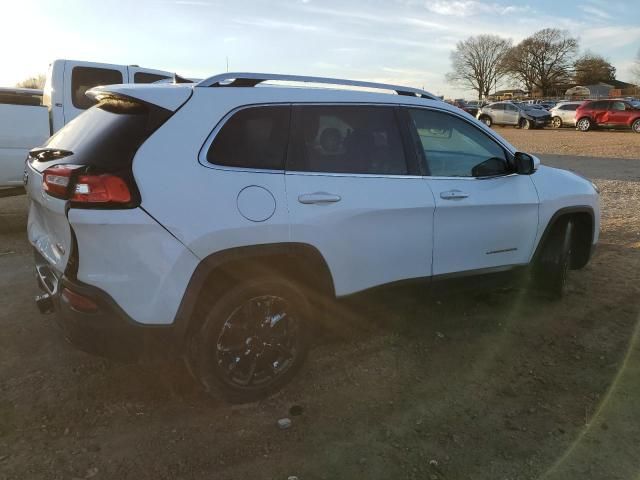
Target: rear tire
583, 125
253, 341
635, 126
556, 122
552, 268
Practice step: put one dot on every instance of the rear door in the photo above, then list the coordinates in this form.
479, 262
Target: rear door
354, 193
486, 217
600, 112
511, 114
82, 76
497, 113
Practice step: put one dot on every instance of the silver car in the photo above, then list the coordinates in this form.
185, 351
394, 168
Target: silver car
564, 114
509, 113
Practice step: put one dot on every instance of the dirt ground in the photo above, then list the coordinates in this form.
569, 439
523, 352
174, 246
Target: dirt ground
502, 385
567, 141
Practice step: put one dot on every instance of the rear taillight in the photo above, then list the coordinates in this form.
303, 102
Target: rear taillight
56, 180
66, 182
103, 188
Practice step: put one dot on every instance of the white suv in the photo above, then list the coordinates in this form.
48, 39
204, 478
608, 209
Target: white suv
213, 220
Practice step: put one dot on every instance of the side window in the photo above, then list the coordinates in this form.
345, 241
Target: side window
599, 105
456, 148
572, 107
619, 106
146, 77
497, 106
85, 78
347, 139
254, 137
510, 108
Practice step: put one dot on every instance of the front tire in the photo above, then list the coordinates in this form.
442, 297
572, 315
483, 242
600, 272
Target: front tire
556, 122
486, 120
552, 268
253, 341
525, 124
635, 126
583, 125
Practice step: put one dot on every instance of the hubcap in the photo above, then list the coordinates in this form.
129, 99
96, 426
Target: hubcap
583, 124
556, 122
258, 343
636, 126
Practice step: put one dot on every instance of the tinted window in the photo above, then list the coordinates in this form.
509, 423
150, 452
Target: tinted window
108, 135
618, 106
511, 108
346, 139
571, 107
253, 138
598, 105
85, 78
145, 77
497, 106
453, 147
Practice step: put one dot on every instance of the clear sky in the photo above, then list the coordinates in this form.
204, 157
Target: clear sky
399, 41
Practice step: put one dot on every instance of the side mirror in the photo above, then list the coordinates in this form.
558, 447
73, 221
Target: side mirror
490, 167
524, 163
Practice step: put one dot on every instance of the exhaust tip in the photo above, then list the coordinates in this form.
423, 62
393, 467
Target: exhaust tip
44, 303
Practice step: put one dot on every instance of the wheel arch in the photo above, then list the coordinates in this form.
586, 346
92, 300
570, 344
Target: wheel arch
220, 270
584, 231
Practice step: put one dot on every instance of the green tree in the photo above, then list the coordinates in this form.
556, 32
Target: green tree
591, 69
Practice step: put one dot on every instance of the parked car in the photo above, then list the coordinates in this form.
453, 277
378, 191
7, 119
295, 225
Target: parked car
509, 113
26, 124
607, 114
564, 114
227, 220
461, 104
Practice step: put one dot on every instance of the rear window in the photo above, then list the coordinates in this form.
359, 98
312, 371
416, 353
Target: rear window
146, 77
20, 99
108, 135
85, 78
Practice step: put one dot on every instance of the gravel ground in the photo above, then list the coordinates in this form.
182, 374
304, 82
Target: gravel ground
501, 385
568, 141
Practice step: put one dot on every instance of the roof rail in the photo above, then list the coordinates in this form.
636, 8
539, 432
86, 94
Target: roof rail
240, 79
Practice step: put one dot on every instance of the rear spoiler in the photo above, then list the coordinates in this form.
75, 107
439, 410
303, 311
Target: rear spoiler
166, 95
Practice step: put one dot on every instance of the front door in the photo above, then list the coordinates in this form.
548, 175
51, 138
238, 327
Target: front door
486, 217
618, 113
354, 195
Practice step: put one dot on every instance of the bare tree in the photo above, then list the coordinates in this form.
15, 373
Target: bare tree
476, 63
33, 82
635, 69
543, 60
590, 69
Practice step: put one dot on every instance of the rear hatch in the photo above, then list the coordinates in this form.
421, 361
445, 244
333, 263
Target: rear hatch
99, 144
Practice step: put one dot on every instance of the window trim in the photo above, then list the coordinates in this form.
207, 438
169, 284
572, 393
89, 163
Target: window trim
508, 153
85, 67
202, 154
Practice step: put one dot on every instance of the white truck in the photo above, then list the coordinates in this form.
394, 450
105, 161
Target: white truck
28, 117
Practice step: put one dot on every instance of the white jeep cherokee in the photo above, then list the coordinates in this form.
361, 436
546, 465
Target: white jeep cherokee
211, 220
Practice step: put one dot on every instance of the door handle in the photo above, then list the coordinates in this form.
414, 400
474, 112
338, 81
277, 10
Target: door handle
318, 198
453, 195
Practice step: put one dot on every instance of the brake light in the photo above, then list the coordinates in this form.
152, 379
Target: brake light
61, 181
56, 180
103, 188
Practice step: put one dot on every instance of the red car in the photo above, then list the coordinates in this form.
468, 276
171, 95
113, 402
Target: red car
608, 114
